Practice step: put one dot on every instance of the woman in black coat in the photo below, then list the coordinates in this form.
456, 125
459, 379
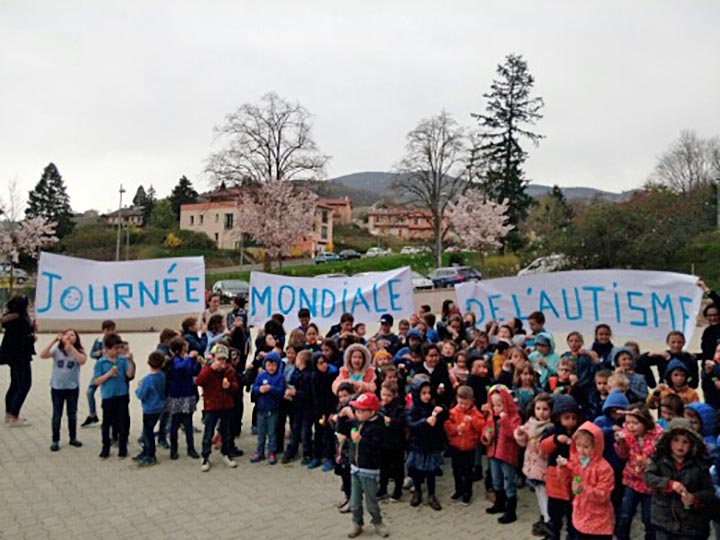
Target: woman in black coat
17, 350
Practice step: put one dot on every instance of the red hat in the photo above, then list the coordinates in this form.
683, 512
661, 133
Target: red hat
367, 401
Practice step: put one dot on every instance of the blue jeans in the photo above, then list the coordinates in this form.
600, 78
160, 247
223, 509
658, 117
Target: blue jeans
267, 429
630, 501
149, 421
59, 398
92, 408
503, 477
363, 483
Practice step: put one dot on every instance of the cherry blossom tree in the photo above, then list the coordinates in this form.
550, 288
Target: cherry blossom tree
478, 222
276, 214
24, 237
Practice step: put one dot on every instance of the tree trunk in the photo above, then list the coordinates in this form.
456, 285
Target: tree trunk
267, 263
280, 266
438, 242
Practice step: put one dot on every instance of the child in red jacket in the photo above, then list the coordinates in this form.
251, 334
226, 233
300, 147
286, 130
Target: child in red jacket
464, 429
635, 444
219, 385
502, 450
593, 480
556, 444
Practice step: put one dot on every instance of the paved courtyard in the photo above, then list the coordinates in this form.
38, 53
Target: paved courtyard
72, 494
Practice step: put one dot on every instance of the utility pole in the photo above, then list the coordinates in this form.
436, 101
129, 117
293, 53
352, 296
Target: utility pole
119, 227
717, 190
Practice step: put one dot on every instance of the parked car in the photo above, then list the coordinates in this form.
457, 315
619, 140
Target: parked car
409, 250
335, 275
19, 275
230, 288
326, 257
421, 282
543, 265
347, 254
376, 252
450, 275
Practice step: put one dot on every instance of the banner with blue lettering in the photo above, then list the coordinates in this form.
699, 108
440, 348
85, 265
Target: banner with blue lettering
635, 303
366, 297
71, 288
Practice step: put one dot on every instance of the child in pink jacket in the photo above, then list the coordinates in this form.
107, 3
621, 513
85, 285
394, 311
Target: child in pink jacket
502, 450
535, 465
635, 444
592, 483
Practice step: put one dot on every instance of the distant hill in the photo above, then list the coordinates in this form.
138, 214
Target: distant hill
366, 188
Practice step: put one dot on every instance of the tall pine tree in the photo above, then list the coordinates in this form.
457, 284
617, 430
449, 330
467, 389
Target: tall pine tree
149, 203
509, 109
49, 199
140, 197
182, 193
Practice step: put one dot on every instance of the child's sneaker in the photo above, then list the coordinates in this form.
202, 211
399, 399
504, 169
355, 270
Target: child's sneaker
306, 461
89, 421
205, 467
355, 531
272, 460
327, 465
54, 447
345, 508
381, 530
229, 462
147, 462
314, 463
466, 500
456, 496
75, 443
257, 458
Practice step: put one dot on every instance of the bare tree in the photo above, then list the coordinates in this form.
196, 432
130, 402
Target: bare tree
432, 172
690, 163
271, 140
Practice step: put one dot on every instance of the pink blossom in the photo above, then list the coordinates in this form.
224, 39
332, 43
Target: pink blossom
479, 223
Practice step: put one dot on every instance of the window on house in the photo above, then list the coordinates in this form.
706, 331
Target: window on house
217, 239
324, 216
323, 233
192, 220
228, 221
202, 220
217, 218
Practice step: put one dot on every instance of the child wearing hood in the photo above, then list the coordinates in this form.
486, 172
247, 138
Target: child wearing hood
464, 428
392, 461
676, 377
702, 418
324, 403
592, 482
682, 490
268, 389
356, 370
554, 445
635, 444
611, 422
425, 441
544, 358
480, 380
624, 362
502, 450
528, 436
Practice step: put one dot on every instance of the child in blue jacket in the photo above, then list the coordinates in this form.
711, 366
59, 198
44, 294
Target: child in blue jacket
268, 389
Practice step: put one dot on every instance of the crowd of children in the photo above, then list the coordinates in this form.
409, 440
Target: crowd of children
384, 411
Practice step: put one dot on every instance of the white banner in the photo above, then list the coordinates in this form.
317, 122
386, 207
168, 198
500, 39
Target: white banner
634, 303
366, 297
71, 288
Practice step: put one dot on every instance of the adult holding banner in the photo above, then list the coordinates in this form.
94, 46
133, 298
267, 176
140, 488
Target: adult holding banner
17, 350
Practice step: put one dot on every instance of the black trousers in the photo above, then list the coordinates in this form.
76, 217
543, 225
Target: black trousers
462, 467
559, 509
20, 383
116, 415
392, 467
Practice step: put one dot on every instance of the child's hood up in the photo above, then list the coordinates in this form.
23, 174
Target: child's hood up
707, 417
546, 336
597, 436
509, 405
348, 354
680, 426
615, 400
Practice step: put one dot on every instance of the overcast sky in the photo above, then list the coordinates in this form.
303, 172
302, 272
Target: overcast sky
129, 91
